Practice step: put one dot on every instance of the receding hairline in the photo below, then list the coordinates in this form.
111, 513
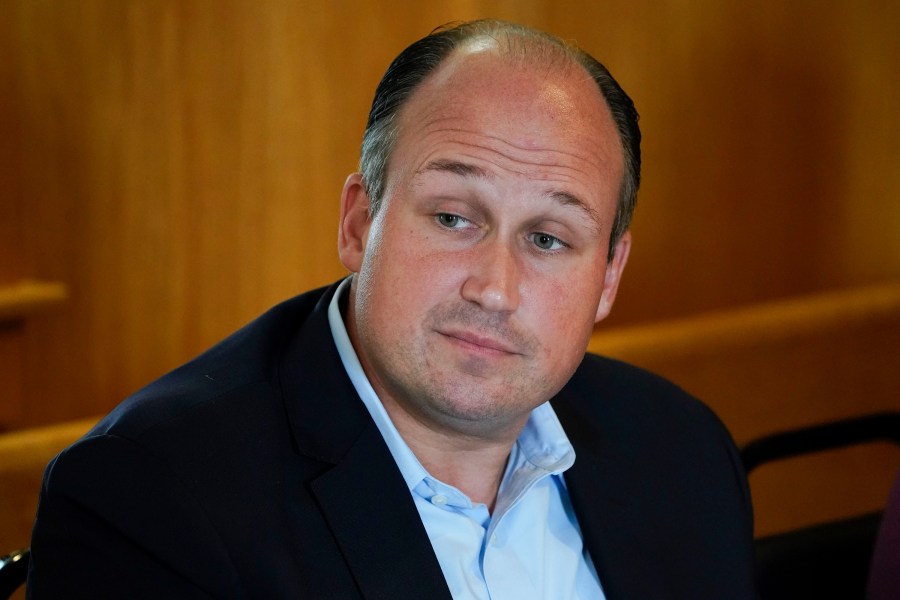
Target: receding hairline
521, 46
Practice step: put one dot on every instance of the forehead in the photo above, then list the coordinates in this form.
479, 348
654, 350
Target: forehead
543, 118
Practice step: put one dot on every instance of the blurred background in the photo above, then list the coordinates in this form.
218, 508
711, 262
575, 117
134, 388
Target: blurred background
169, 169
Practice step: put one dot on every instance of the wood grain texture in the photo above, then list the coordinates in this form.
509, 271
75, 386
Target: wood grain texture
24, 298
769, 146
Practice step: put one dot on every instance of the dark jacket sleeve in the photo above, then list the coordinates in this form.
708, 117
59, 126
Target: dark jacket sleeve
115, 522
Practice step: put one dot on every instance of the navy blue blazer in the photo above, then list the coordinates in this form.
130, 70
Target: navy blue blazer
255, 471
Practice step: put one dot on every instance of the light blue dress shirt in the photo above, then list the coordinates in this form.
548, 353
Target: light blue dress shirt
531, 546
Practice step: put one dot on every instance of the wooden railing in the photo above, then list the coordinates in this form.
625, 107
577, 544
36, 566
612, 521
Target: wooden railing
22, 299
782, 365
23, 456
19, 302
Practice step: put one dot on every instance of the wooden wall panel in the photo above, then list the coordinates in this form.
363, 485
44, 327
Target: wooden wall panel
181, 169
178, 164
770, 147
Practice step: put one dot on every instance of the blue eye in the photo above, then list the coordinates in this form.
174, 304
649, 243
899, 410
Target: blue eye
450, 221
545, 241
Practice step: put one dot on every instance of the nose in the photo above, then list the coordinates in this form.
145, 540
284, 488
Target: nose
494, 278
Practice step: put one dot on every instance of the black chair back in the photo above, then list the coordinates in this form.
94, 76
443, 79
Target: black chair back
13, 571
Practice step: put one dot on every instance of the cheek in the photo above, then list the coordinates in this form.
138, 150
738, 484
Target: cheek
404, 276
564, 313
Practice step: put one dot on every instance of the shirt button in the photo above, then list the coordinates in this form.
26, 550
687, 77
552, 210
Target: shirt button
494, 540
439, 500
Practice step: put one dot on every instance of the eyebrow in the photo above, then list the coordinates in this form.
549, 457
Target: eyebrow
457, 168
473, 171
567, 199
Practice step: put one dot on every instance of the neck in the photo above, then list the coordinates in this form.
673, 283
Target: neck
472, 464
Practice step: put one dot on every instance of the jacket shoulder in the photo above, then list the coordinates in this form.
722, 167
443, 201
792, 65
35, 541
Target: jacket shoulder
668, 458
226, 389
612, 386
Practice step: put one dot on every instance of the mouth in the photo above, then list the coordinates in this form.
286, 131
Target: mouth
480, 344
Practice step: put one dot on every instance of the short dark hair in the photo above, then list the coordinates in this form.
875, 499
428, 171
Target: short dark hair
422, 57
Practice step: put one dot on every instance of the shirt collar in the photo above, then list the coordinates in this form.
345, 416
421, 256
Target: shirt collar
542, 443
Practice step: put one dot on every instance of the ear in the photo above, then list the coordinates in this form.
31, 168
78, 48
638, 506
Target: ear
613, 275
353, 229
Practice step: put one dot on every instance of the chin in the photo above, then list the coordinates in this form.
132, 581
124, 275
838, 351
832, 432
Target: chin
484, 406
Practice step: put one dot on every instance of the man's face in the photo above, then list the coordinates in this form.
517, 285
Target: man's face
480, 279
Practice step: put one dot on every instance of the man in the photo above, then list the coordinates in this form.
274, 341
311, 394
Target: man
430, 426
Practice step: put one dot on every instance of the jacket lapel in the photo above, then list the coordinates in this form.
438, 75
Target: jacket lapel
609, 503
375, 522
